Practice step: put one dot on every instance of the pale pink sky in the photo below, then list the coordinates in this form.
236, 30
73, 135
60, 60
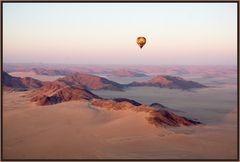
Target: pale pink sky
177, 33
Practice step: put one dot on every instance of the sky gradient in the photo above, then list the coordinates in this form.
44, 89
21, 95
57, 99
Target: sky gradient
105, 33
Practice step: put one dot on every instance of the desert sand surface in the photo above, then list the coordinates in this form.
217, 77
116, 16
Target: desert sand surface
76, 130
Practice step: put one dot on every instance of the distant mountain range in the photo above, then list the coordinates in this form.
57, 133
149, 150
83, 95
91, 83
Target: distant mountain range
93, 82
51, 72
126, 73
64, 72
167, 81
123, 70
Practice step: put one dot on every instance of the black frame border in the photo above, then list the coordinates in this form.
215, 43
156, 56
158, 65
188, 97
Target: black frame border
121, 1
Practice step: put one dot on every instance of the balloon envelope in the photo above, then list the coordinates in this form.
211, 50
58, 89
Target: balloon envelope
141, 41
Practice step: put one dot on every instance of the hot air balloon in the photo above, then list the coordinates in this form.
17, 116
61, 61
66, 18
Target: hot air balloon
141, 41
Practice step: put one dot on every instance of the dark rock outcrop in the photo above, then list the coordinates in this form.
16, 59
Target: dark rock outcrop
159, 106
127, 100
156, 117
19, 84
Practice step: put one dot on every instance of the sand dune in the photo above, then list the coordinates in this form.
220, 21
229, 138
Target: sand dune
75, 130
